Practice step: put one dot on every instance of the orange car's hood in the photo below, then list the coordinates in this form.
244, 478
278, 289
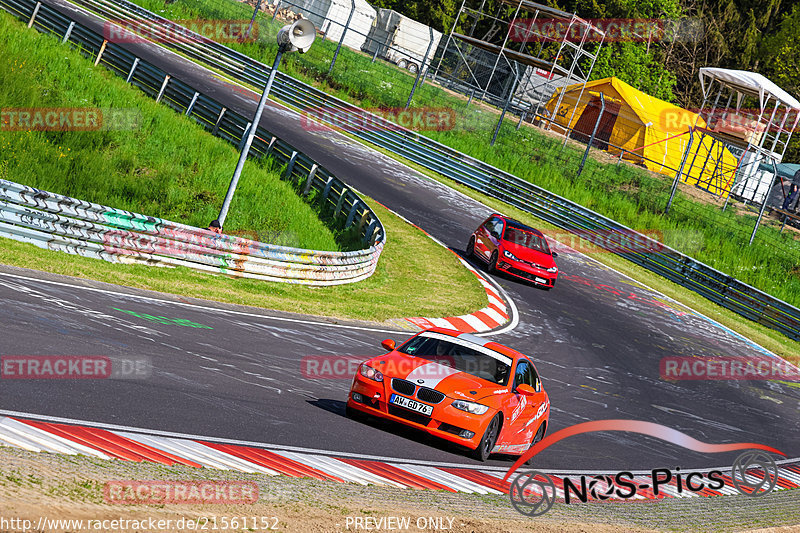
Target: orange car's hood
440, 377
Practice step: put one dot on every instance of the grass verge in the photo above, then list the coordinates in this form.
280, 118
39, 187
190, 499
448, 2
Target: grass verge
412, 268
72, 487
157, 163
625, 193
148, 171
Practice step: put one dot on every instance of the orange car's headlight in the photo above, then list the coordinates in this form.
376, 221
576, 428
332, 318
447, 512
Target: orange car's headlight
370, 373
470, 407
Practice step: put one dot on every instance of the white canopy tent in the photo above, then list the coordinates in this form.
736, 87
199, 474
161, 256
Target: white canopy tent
748, 83
759, 134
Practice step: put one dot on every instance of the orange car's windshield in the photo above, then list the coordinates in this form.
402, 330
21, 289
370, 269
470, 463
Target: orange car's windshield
526, 239
459, 357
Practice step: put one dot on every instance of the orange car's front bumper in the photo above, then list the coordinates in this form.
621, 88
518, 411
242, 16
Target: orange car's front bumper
446, 421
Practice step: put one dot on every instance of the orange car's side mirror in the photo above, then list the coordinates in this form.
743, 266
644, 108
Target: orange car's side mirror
388, 344
526, 390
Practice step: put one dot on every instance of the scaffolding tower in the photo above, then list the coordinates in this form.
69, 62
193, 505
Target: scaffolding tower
518, 56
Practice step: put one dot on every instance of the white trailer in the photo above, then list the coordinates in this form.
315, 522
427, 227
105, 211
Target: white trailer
401, 40
331, 16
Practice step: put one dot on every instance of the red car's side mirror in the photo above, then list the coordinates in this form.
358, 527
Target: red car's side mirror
388, 344
526, 390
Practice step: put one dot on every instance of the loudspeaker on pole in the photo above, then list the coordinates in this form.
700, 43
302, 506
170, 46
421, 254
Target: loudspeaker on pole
297, 36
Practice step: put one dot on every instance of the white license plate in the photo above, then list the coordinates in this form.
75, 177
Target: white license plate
541, 280
412, 405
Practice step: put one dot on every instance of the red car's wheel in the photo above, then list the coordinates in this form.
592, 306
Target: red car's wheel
484, 449
471, 247
493, 262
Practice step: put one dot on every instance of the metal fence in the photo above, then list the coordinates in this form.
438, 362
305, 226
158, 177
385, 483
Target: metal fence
717, 286
117, 234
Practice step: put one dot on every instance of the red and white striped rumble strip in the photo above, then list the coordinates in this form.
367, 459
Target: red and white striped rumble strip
130, 444
490, 317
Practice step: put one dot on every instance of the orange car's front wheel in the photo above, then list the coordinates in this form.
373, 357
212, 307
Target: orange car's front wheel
484, 449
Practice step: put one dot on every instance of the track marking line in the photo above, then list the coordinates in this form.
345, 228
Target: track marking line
202, 307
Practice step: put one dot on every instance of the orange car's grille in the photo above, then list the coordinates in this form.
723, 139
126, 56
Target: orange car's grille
429, 395
403, 387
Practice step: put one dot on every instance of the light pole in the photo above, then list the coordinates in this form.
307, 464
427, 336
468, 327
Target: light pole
297, 36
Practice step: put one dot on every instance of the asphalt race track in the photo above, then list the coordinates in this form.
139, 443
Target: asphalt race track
598, 339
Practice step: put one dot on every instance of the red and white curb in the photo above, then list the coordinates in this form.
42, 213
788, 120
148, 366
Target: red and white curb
131, 444
490, 317
493, 316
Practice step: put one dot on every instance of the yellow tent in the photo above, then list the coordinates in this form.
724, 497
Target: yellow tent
646, 130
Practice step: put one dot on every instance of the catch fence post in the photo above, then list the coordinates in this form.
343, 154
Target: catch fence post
344, 32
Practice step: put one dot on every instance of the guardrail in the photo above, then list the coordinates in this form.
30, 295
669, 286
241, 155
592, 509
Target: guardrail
714, 285
61, 223
56, 222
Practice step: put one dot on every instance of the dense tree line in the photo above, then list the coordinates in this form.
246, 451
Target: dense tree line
758, 35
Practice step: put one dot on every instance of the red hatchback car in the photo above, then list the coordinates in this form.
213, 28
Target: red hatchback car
512, 247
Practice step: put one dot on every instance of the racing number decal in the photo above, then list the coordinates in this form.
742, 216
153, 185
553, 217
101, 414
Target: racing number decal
542, 409
518, 409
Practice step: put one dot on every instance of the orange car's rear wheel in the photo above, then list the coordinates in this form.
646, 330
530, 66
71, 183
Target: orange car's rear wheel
484, 449
536, 438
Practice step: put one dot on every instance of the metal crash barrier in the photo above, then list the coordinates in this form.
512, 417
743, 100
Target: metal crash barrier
66, 224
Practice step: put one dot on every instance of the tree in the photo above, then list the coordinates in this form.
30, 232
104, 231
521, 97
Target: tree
633, 64
781, 63
438, 14
637, 59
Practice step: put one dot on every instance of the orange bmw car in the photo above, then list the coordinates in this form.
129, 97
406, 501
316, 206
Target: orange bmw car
456, 386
